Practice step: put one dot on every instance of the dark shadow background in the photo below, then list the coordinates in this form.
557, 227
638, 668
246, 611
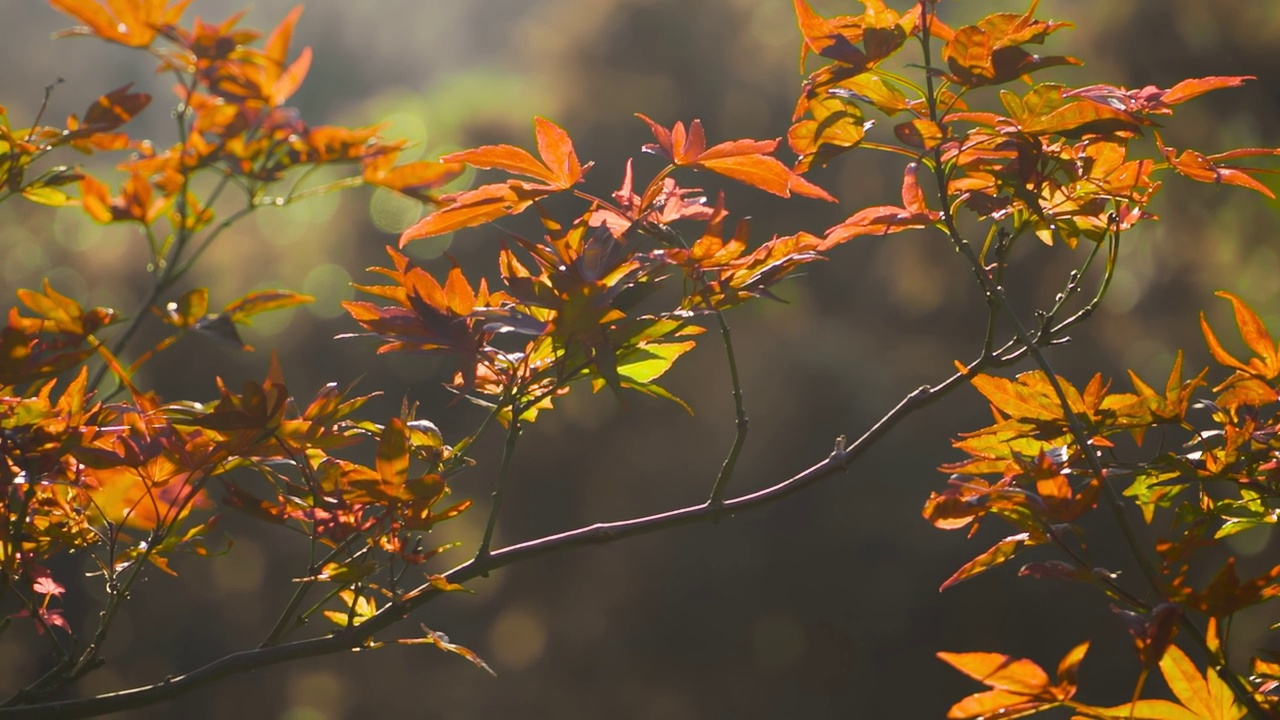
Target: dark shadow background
823, 605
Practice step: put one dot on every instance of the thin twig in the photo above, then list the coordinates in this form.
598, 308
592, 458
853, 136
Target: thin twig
508, 452
739, 413
1074, 425
605, 533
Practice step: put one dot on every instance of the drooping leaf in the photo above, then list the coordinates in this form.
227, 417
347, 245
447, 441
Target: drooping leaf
261, 301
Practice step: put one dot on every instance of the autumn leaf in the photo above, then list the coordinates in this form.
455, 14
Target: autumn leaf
1208, 696
239, 311
1210, 168
1255, 335
990, 52
442, 641
109, 112
999, 553
1151, 100
393, 455
414, 179
358, 610
557, 169
134, 23
1018, 686
747, 161
886, 219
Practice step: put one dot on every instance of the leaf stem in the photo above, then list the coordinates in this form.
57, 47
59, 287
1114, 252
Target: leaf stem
740, 417
1074, 425
508, 452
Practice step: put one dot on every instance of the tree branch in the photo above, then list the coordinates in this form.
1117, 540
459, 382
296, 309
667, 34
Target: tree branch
598, 534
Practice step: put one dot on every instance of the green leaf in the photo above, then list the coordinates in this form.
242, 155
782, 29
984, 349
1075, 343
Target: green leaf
651, 361
45, 195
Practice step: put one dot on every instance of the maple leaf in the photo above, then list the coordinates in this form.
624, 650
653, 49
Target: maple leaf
886, 219
1200, 697
669, 204
137, 201
1019, 687
881, 30
834, 127
134, 23
747, 161
414, 179
427, 316
1266, 364
1151, 100
557, 169
999, 553
990, 52
1210, 168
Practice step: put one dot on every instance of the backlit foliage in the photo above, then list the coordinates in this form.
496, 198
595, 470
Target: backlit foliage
611, 294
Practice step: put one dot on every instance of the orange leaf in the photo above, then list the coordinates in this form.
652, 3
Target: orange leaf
1020, 400
766, 173
559, 167
128, 22
1255, 334
1188, 89
415, 179
920, 133
276, 47
261, 301
747, 161
95, 199
1001, 672
886, 219
393, 454
557, 153
289, 81
474, 207
997, 554
1186, 682
994, 703
503, 157
823, 37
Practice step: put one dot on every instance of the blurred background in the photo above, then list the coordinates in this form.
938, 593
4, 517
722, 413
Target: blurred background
823, 605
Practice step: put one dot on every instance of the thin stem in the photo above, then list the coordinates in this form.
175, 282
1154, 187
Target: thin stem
995, 293
342, 184
740, 417
1076, 429
508, 452
837, 462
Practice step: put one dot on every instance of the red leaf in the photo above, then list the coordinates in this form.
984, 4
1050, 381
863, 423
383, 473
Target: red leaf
1255, 335
113, 110
886, 219
1188, 89
1202, 168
